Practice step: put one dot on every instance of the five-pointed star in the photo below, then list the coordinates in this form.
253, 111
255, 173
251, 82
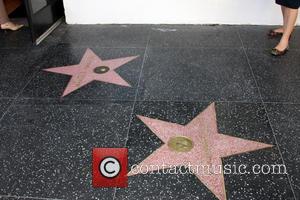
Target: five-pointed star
208, 150
86, 72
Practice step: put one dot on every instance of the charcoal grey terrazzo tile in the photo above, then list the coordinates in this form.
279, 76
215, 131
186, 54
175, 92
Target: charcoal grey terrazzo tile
16, 39
46, 148
250, 121
17, 66
48, 162
256, 37
23, 198
4, 104
247, 121
10, 87
257, 186
194, 36
278, 78
164, 187
103, 35
18, 62
197, 75
285, 120
73, 116
51, 85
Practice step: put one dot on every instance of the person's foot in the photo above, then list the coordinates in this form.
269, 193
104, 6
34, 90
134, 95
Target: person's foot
282, 45
11, 26
274, 33
281, 48
278, 30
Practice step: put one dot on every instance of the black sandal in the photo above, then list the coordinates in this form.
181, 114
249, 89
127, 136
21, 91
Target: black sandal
275, 52
273, 34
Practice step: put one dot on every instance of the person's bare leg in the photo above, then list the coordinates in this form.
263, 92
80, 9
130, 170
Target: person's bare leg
284, 18
4, 20
291, 15
3, 14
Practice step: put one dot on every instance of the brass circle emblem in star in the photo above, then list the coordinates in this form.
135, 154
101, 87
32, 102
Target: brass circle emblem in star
180, 144
101, 69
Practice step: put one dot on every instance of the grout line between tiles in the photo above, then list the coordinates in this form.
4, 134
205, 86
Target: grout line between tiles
135, 99
137, 89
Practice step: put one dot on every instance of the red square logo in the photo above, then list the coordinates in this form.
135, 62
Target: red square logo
110, 167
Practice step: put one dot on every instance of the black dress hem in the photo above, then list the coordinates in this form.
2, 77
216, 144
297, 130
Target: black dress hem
293, 4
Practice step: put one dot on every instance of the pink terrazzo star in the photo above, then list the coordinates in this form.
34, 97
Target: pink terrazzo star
92, 68
209, 147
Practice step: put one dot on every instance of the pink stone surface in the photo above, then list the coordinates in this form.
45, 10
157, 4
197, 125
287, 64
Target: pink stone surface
83, 73
209, 147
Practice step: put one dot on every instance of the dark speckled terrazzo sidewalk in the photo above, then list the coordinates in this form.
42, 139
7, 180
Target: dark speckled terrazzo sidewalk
46, 141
